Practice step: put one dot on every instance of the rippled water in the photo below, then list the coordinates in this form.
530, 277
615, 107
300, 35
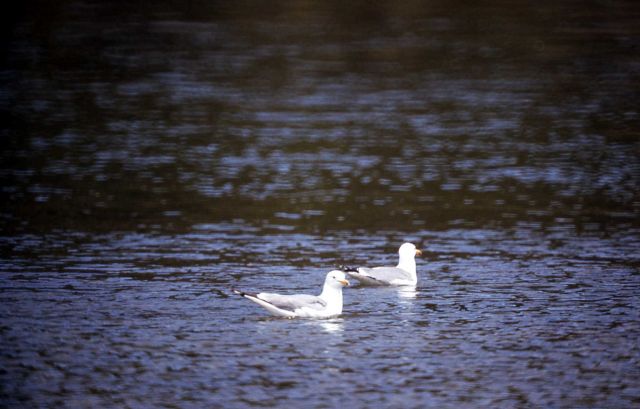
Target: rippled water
154, 158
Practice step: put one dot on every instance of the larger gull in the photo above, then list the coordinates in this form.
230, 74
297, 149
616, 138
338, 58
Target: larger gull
327, 304
403, 274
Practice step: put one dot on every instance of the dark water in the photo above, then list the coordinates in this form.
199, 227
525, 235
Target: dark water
156, 154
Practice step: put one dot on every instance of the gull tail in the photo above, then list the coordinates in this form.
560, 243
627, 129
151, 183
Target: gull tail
363, 278
347, 269
273, 309
243, 293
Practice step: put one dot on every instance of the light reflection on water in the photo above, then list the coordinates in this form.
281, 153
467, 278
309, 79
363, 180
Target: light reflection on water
492, 313
151, 165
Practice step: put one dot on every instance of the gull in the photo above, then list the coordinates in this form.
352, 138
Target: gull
403, 274
327, 304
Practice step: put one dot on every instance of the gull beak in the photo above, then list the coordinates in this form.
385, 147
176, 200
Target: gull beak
344, 282
418, 252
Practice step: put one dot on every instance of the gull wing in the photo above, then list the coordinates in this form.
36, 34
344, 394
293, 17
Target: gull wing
381, 275
293, 302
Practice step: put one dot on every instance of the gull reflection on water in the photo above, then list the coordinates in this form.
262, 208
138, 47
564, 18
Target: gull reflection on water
407, 292
332, 326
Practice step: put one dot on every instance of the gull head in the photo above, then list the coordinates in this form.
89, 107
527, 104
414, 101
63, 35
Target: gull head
409, 250
336, 278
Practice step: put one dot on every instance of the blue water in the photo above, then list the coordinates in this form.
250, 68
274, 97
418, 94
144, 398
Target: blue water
155, 157
497, 320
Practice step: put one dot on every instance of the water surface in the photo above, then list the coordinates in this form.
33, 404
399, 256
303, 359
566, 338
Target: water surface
156, 157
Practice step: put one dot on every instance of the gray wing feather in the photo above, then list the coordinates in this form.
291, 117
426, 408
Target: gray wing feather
387, 274
293, 302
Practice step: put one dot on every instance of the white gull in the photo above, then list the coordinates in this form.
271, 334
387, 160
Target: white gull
403, 274
327, 304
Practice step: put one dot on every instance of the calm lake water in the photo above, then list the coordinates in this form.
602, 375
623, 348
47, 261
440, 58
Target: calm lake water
156, 155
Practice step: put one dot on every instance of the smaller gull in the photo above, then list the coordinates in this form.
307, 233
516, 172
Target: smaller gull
403, 274
327, 304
